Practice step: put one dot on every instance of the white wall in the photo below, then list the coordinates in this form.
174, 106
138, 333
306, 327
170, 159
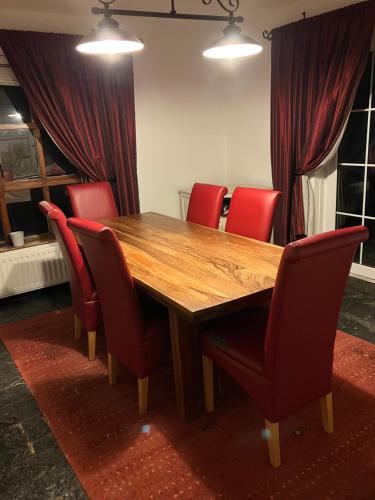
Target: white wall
181, 129
196, 119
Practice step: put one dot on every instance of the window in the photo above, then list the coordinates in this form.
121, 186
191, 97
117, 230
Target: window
32, 168
356, 169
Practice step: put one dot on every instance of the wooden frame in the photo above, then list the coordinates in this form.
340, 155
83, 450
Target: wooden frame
43, 182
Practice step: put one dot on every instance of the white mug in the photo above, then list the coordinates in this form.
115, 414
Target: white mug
17, 238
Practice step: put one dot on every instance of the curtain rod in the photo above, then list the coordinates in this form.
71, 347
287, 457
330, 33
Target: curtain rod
267, 35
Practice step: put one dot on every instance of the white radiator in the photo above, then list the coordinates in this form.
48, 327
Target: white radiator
184, 203
30, 268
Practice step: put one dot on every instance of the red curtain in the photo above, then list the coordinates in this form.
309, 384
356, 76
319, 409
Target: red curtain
317, 65
86, 105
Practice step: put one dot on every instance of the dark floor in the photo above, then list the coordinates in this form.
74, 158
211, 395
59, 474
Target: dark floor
32, 464
26, 305
358, 310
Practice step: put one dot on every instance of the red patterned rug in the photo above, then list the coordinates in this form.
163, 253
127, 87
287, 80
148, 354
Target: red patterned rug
119, 455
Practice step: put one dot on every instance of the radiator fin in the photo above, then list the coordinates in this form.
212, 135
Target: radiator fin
31, 268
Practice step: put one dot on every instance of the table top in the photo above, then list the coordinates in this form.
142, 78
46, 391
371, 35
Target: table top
200, 272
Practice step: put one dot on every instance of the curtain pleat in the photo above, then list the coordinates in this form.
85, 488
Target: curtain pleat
85, 103
317, 65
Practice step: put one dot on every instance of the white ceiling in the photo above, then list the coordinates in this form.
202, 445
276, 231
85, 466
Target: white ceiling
78, 6
74, 16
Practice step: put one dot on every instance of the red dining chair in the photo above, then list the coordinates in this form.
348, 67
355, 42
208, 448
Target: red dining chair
251, 212
86, 305
92, 200
205, 204
283, 358
137, 336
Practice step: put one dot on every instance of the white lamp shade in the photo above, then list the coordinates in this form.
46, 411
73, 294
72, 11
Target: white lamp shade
108, 38
233, 45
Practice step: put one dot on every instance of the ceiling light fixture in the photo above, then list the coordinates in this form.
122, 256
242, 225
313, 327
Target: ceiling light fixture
108, 38
233, 45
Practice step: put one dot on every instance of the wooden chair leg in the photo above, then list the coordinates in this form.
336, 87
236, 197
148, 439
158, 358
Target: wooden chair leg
112, 369
143, 395
208, 382
92, 344
326, 409
77, 327
273, 443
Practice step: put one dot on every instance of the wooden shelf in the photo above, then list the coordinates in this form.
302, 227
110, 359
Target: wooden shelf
30, 241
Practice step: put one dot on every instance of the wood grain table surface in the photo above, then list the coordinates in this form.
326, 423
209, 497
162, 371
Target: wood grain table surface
199, 274
196, 270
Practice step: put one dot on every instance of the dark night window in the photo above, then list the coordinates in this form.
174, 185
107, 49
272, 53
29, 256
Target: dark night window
356, 169
32, 168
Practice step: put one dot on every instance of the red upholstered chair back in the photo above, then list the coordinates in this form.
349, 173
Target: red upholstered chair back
205, 204
251, 212
303, 316
121, 311
80, 281
92, 200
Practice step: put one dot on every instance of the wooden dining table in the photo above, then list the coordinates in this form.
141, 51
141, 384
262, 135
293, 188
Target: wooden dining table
199, 274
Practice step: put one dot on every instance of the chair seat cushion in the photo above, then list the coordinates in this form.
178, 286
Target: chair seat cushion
239, 337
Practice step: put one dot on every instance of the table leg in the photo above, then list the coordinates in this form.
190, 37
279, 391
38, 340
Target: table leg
187, 366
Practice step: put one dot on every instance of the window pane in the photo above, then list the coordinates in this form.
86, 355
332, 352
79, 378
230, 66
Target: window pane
23, 211
18, 155
350, 189
346, 221
56, 161
371, 146
363, 93
370, 192
59, 197
368, 258
353, 145
13, 106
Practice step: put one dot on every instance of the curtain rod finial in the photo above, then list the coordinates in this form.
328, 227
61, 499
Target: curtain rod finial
267, 35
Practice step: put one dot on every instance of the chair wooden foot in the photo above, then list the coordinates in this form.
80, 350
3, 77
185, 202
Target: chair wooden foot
326, 409
143, 395
92, 344
273, 443
208, 382
112, 369
77, 327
